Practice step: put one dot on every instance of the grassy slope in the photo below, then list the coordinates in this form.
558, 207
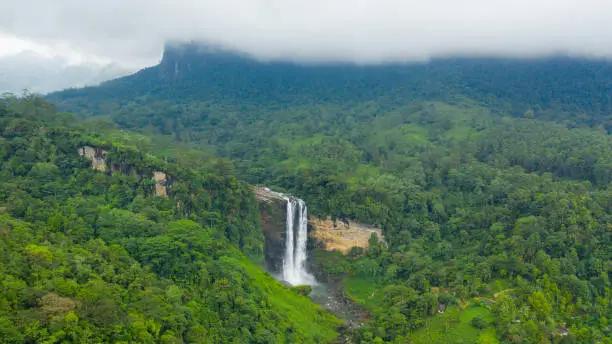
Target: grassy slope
310, 319
454, 326
364, 292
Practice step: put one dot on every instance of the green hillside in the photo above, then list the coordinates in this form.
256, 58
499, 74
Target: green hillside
485, 175
95, 257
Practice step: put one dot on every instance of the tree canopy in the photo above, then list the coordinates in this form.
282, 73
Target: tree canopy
90, 256
490, 178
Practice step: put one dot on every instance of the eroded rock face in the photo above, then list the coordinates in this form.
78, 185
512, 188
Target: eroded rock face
334, 235
266, 195
342, 235
273, 213
161, 184
99, 162
97, 156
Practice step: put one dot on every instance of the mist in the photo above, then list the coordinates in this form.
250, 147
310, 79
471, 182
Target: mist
362, 31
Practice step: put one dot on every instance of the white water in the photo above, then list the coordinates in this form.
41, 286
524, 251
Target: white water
289, 273
294, 264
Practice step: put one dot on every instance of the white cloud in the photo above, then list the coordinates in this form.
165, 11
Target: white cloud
357, 30
12, 45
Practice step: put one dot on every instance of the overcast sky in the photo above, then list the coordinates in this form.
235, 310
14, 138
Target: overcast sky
132, 32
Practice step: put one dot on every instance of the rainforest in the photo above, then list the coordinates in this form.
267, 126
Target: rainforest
491, 180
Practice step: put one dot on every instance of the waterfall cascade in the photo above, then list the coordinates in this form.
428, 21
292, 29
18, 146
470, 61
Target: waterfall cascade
296, 231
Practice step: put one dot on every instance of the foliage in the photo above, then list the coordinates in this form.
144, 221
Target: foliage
480, 172
479, 322
88, 256
302, 289
456, 326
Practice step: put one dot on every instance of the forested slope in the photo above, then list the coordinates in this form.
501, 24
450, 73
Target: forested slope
88, 256
563, 89
490, 178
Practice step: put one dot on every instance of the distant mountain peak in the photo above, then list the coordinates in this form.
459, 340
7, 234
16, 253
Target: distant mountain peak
186, 48
181, 59
194, 71
198, 50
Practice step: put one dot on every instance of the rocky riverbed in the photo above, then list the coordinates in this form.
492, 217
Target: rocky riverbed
331, 296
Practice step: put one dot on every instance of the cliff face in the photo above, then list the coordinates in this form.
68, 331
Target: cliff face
273, 214
161, 184
97, 156
99, 162
203, 63
333, 235
342, 236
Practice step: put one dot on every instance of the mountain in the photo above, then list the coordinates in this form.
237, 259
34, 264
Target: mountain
40, 74
490, 178
567, 86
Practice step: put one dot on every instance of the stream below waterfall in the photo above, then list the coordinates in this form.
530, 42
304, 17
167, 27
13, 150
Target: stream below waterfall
326, 292
330, 295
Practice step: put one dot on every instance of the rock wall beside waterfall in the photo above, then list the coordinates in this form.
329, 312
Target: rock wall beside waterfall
342, 235
331, 234
285, 226
273, 213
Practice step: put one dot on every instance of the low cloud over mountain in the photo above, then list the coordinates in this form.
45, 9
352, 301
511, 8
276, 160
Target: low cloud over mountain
362, 31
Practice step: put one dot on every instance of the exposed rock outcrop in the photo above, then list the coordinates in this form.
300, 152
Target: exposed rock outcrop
97, 156
161, 184
266, 195
334, 235
273, 214
100, 162
343, 235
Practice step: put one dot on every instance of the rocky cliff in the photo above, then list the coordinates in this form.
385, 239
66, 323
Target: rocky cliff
161, 183
99, 161
342, 235
96, 155
273, 209
331, 234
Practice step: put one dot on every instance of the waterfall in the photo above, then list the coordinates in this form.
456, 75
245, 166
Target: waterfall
296, 235
289, 270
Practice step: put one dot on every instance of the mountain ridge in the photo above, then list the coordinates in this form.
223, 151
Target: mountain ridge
567, 85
